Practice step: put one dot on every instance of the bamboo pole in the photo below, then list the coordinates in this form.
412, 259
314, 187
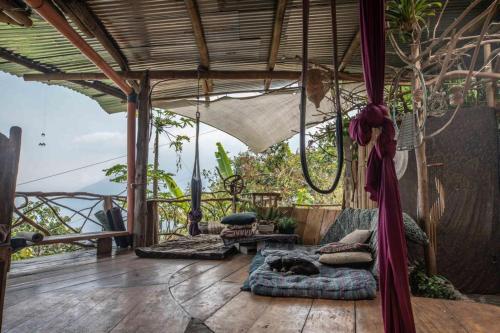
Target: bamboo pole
490, 86
131, 112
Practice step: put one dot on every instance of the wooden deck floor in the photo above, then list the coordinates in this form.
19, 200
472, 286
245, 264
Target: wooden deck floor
77, 293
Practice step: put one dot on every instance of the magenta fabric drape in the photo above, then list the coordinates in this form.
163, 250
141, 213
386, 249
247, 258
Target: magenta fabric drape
381, 180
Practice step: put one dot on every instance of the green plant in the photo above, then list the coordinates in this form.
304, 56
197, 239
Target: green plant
286, 225
435, 286
47, 219
406, 16
224, 163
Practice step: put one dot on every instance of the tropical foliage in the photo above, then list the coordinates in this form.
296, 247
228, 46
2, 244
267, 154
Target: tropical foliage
48, 220
278, 169
407, 16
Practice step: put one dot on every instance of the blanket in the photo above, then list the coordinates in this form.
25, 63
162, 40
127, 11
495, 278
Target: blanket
330, 283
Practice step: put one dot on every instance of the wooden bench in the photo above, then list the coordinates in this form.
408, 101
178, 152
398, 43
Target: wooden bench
104, 240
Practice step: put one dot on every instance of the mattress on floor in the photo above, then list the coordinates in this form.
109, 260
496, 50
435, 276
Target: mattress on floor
342, 283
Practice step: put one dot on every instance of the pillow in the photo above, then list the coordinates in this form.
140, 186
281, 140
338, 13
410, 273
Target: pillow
239, 219
357, 236
338, 247
346, 258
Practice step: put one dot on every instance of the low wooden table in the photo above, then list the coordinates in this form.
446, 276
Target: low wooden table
256, 242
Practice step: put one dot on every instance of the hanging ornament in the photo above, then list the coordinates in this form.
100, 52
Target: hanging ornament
316, 88
437, 104
456, 95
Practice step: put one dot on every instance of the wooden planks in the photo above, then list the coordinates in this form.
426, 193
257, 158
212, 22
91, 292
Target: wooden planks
317, 224
328, 219
369, 317
474, 317
432, 316
129, 294
313, 226
229, 319
211, 299
330, 316
283, 315
194, 285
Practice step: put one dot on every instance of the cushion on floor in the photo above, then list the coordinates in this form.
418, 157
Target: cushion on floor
330, 283
346, 258
239, 219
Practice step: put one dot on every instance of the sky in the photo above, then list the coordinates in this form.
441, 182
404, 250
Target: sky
78, 133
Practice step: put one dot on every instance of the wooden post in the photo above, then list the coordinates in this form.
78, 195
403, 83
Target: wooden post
107, 203
152, 232
141, 165
9, 160
423, 210
131, 113
490, 86
104, 247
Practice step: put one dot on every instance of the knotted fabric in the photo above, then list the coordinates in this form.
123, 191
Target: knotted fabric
381, 180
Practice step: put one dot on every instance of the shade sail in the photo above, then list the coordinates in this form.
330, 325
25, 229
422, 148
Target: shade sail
258, 121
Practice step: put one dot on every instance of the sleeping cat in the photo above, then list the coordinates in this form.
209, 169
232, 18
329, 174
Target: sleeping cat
292, 265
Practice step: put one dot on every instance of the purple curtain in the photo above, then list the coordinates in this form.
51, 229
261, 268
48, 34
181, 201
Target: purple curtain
381, 180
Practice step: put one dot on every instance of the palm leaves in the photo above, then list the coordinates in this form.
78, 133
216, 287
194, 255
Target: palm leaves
224, 163
406, 16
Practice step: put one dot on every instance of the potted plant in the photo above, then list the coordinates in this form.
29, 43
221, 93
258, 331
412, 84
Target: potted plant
286, 225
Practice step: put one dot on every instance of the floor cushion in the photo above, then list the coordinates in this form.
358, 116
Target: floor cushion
239, 219
357, 236
330, 283
346, 258
337, 247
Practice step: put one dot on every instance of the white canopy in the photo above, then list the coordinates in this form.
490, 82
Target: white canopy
258, 121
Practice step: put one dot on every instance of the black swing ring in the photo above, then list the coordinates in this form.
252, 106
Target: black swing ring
338, 125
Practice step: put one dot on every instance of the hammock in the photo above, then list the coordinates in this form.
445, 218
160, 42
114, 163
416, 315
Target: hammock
195, 215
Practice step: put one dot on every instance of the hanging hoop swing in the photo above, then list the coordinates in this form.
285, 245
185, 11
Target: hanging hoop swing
303, 100
195, 215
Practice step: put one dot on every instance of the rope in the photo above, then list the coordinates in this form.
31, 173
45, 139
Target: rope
338, 123
195, 215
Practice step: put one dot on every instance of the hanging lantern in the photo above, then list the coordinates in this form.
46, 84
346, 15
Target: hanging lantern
456, 96
316, 88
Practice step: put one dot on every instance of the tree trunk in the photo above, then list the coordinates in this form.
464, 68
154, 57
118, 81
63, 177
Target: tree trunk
490, 86
140, 211
156, 163
423, 218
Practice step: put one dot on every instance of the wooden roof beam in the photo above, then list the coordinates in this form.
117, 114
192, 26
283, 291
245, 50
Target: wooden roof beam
51, 15
79, 12
185, 75
48, 69
201, 43
18, 14
276, 38
353, 47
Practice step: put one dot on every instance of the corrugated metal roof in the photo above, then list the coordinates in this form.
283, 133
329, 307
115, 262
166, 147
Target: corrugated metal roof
157, 35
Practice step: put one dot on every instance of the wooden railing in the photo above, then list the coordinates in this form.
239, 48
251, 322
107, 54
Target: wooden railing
169, 217
73, 210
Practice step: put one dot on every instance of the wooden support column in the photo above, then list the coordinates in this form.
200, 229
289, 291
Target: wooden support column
353, 47
276, 38
141, 164
491, 85
131, 114
9, 160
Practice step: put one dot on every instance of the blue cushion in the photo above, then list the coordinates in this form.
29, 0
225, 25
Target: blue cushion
239, 219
